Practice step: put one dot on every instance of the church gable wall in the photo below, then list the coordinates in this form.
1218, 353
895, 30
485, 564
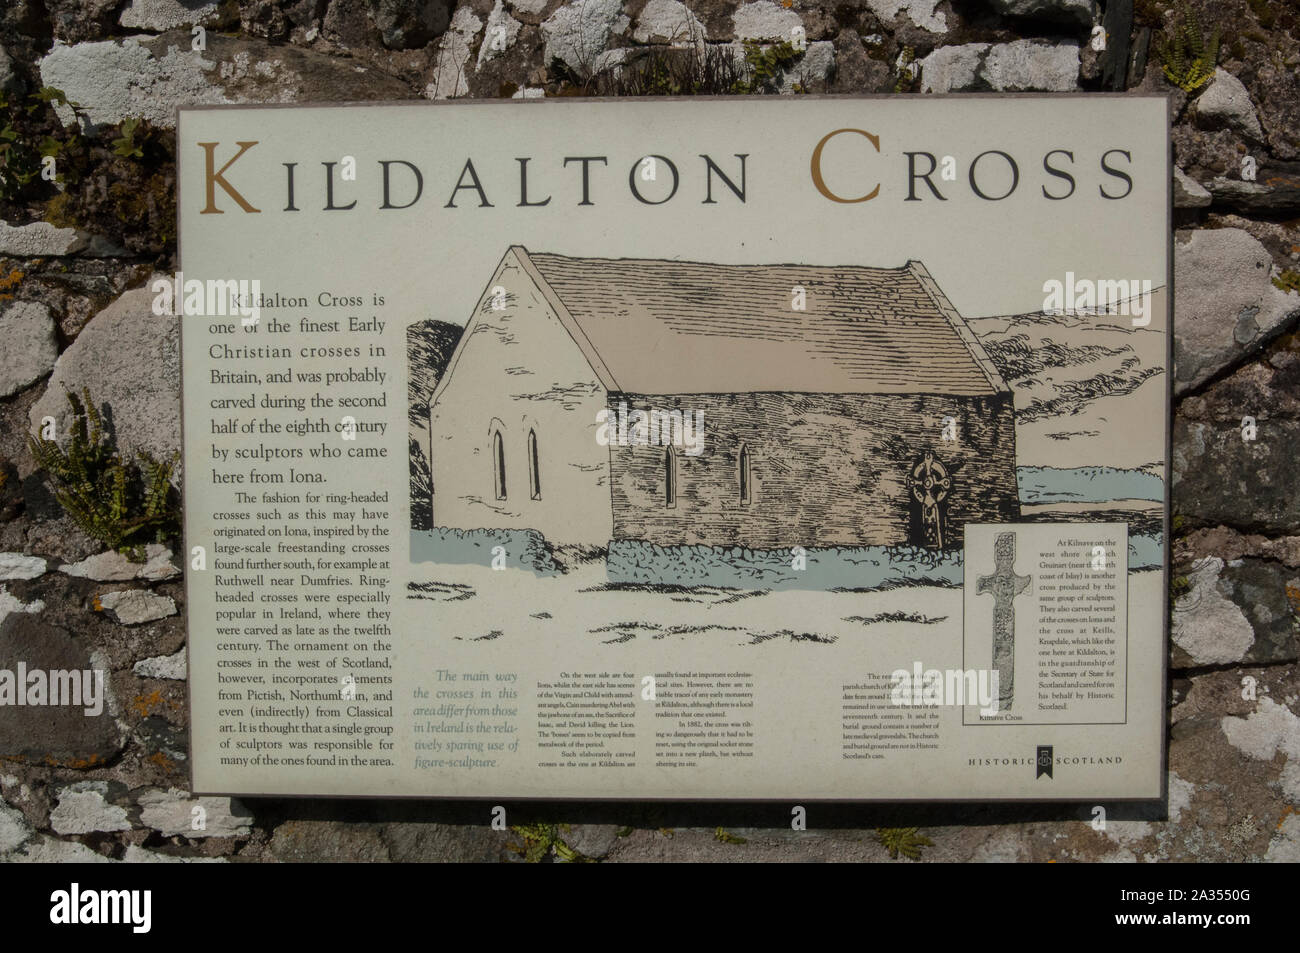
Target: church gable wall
517, 370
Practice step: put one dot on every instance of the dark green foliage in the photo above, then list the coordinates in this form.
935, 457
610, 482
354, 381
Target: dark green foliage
726, 837
30, 130
1188, 57
767, 65
902, 840
906, 73
117, 183
1179, 586
122, 504
125, 145
123, 187
1288, 281
542, 843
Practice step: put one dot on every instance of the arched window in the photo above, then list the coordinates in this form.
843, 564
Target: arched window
534, 478
670, 478
744, 473
499, 464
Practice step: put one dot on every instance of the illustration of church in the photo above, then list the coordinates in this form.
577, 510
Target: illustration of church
762, 406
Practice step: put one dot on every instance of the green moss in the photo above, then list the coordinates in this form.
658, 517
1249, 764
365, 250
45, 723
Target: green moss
1288, 281
150, 204
767, 64
903, 840
876, 51
123, 187
61, 212
726, 837
541, 843
906, 74
121, 503
1179, 586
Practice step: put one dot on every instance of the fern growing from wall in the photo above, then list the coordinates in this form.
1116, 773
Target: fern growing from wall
123, 503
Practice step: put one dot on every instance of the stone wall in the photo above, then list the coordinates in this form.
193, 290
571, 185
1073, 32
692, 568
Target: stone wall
826, 469
74, 311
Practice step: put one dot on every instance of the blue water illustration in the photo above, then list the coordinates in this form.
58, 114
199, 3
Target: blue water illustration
1087, 485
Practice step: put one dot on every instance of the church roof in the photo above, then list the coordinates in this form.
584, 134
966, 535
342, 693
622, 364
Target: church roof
652, 326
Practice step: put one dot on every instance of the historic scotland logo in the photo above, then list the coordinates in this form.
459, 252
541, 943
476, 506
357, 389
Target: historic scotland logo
1044, 761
